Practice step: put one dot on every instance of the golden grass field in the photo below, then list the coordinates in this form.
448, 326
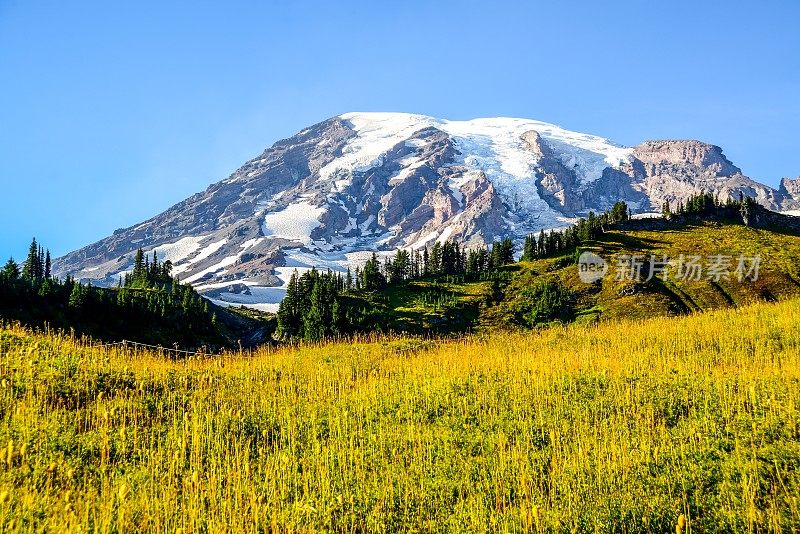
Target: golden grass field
687, 424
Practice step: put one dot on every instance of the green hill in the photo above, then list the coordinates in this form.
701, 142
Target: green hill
514, 296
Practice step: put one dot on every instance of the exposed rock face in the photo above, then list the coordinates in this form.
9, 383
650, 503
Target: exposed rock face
671, 171
682, 156
360, 182
790, 188
559, 186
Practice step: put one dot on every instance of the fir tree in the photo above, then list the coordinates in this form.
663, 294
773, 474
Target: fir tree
77, 296
10, 270
31, 268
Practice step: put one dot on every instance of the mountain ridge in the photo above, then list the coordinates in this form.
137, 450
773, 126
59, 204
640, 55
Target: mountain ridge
362, 182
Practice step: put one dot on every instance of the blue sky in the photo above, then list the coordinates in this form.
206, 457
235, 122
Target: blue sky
111, 113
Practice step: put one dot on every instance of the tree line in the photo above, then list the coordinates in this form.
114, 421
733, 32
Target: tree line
556, 242
443, 258
706, 203
318, 304
148, 305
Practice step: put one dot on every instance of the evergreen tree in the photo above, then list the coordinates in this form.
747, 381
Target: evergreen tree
138, 267
289, 309
32, 267
372, 278
541, 244
529, 248
10, 270
744, 210
314, 319
77, 296
435, 258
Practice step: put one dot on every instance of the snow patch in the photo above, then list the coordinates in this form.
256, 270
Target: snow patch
179, 250
295, 222
209, 250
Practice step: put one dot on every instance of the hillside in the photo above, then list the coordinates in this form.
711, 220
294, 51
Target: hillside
645, 421
150, 307
451, 304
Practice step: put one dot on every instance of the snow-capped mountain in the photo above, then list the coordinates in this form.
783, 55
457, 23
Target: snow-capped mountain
361, 182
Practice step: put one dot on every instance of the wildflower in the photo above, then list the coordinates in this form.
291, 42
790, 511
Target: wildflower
679, 528
4, 496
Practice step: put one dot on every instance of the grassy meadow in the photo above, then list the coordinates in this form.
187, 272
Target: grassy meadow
684, 424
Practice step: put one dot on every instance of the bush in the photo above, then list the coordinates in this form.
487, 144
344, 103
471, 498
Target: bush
543, 302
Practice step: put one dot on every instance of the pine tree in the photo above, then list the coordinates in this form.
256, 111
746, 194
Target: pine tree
137, 277
529, 248
372, 278
314, 320
77, 296
666, 212
10, 270
541, 244
289, 310
47, 265
30, 268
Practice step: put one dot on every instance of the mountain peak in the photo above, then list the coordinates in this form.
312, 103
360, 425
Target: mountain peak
360, 182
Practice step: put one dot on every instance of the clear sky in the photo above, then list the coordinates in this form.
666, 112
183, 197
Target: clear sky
111, 112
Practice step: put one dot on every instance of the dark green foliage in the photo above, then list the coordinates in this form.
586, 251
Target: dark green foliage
37, 263
707, 205
146, 275
10, 271
150, 308
371, 275
544, 301
556, 242
666, 210
316, 307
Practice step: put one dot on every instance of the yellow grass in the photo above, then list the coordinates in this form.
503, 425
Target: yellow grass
619, 427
